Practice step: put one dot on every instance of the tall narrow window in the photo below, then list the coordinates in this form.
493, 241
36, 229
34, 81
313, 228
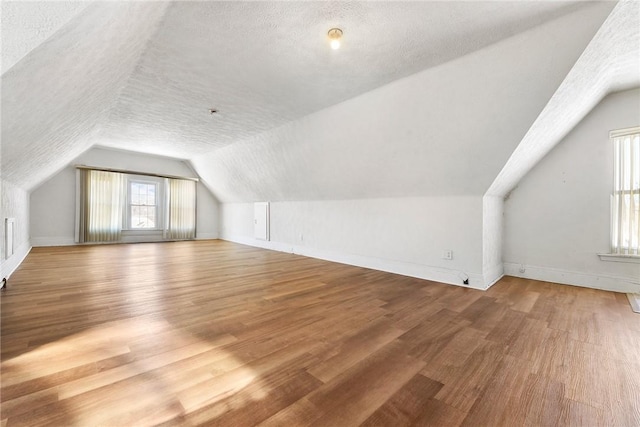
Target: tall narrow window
143, 205
625, 206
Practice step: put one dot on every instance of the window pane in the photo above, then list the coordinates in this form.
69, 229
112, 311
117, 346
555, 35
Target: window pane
143, 207
143, 190
625, 221
135, 193
151, 195
151, 217
135, 216
626, 163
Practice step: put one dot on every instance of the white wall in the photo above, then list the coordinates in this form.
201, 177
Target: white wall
54, 98
15, 204
410, 161
492, 227
557, 219
53, 203
447, 130
401, 235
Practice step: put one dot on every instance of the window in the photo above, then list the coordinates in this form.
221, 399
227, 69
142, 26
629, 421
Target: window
123, 206
143, 205
625, 201
99, 206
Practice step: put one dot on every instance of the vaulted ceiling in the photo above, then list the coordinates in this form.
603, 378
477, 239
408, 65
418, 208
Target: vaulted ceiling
436, 94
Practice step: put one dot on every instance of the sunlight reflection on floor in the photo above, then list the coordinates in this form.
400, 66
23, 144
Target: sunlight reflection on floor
141, 371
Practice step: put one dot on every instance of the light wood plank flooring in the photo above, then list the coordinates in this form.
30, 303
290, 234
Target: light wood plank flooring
215, 333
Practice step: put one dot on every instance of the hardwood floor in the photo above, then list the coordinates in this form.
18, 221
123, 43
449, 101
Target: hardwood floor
215, 333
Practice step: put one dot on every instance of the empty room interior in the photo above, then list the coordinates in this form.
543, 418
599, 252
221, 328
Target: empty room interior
320, 213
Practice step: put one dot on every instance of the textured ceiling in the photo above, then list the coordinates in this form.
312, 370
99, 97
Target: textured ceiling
27, 24
263, 64
444, 131
53, 98
141, 75
611, 62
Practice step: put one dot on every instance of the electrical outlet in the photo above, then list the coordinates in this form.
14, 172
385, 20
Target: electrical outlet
522, 269
447, 255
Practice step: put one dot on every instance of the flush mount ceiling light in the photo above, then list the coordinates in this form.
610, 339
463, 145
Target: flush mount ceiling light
335, 34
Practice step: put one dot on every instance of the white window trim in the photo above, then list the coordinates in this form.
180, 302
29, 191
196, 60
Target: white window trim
624, 132
632, 259
160, 204
616, 257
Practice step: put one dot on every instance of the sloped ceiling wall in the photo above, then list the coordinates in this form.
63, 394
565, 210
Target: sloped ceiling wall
141, 75
447, 130
610, 63
264, 64
53, 99
24, 26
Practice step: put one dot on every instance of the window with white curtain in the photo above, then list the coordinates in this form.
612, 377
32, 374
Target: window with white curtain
101, 203
625, 200
182, 209
110, 202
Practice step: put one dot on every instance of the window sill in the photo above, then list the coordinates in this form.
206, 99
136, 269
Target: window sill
634, 259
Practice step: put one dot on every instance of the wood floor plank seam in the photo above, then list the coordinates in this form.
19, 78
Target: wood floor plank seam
216, 333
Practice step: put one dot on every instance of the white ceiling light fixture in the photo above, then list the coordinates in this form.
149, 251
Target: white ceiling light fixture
335, 34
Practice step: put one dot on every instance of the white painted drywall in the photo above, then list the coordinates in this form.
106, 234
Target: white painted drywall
492, 227
15, 204
53, 203
56, 95
26, 25
611, 62
447, 130
207, 213
432, 143
557, 218
402, 235
142, 75
266, 63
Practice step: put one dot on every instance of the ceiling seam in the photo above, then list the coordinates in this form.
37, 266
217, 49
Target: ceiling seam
108, 111
600, 41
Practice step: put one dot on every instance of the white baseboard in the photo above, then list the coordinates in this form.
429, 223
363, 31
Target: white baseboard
206, 236
70, 241
52, 241
493, 274
577, 278
8, 266
436, 274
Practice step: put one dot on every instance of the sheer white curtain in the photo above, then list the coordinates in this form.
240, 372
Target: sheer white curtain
625, 215
102, 199
182, 209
